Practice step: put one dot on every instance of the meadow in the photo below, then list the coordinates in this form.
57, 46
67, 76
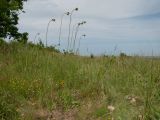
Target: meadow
37, 83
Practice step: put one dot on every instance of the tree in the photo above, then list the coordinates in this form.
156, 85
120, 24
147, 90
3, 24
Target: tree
9, 11
23, 38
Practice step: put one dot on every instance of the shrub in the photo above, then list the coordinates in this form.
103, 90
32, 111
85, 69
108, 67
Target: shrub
123, 55
92, 56
52, 48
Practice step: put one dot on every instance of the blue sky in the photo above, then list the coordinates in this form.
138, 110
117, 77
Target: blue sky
113, 26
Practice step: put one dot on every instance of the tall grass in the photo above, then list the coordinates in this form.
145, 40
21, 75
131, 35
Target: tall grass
33, 78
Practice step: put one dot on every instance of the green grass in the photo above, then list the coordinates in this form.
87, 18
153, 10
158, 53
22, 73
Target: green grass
34, 78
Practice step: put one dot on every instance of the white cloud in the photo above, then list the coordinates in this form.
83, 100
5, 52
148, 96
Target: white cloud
112, 8
106, 19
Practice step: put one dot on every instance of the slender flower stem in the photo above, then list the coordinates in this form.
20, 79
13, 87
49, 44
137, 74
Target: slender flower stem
60, 30
76, 33
47, 30
80, 42
72, 35
74, 43
36, 37
70, 22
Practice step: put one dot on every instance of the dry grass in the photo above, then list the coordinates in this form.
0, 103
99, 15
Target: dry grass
36, 83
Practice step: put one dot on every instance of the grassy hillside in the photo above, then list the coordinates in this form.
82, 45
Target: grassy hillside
36, 84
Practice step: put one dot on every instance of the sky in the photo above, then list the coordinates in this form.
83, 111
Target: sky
113, 26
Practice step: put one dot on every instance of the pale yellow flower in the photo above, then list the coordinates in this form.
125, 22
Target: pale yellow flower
111, 108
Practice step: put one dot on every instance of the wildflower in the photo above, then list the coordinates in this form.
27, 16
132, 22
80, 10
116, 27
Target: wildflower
140, 117
22, 115
67, 13
133, 100
76, 9
62, 83
111, 108
18, 110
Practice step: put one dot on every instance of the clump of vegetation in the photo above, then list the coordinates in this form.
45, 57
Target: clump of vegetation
92, 56
53, 48
123, 55
7, 105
